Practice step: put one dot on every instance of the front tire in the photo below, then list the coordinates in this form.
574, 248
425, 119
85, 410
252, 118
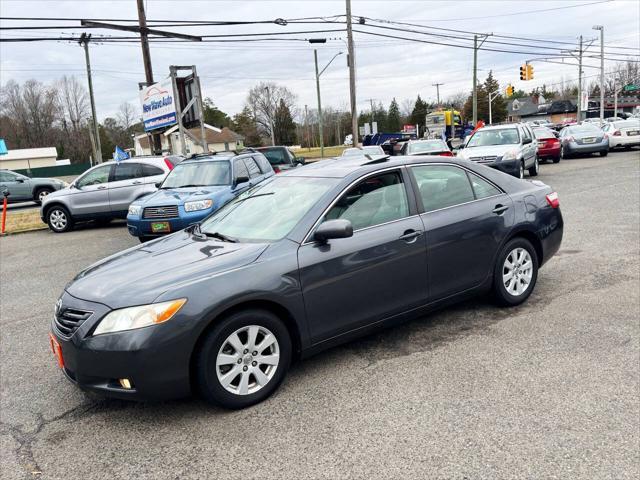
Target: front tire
521, 170
533, 171
604, 153
41, 194
515, 273
243, 359
59, 219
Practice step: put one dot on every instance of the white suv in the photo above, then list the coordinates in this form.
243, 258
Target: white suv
105, 191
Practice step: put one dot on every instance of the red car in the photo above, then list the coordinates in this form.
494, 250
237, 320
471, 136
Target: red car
548, 144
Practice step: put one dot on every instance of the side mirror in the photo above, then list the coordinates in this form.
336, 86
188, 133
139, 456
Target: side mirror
329, 229
526, 141
239, 180
300, 160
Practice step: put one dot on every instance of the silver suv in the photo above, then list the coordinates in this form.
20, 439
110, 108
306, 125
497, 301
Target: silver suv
105, 191
511, 148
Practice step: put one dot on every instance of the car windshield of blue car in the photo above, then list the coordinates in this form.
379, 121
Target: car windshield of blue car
486, 138
269, 211
198, 174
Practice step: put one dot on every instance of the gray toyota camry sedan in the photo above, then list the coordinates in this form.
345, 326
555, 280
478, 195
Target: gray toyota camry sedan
303, 261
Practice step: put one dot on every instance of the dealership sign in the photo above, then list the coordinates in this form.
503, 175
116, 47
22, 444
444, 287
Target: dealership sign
158, 107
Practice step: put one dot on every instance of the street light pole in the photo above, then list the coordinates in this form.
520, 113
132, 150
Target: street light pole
437, 85
318, 73
492, 97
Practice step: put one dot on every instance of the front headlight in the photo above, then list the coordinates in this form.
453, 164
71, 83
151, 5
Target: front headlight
197, 205
138, 317
511, 155
135, 210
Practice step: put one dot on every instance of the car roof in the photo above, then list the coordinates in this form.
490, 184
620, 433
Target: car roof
342, 167
501, 127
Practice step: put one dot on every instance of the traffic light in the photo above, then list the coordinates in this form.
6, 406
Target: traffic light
509, 90
529, 71
523, 72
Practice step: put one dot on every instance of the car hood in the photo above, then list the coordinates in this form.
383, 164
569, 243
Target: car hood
140, 274
177, 196
497, 150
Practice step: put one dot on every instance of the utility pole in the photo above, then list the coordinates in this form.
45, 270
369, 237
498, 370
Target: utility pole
579, 112
315, 58
97, 149
372, 114
601, 28
146, 58
437, 85
352, 77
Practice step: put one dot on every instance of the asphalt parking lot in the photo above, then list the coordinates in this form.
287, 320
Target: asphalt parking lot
550, 389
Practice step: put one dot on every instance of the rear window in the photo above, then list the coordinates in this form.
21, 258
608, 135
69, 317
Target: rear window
543, 133
276, 156
150, 170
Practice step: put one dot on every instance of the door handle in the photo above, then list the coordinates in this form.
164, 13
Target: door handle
137, 182
410, 236
101, 188
500, 209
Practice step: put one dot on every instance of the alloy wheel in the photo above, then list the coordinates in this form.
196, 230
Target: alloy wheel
247, 360
58, 219
517, 271
42, 194
521, 173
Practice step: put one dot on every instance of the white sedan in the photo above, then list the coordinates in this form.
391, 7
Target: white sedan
367, 150
624, 133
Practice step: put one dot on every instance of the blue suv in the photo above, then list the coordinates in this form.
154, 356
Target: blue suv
194, 189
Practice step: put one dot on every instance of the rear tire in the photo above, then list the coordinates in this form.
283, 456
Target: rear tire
533, 171
234, 370
557, 159
41, 194
515, 272
145, 239
59, 219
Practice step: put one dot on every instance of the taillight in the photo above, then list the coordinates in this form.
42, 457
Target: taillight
617, 133
446, 154
168, 163
553, 200
276, 169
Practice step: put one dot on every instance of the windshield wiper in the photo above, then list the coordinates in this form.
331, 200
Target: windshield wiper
255, 196
220, 236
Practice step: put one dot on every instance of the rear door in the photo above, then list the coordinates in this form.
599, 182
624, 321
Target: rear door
466, 219
92, 197
125, 185
255, 174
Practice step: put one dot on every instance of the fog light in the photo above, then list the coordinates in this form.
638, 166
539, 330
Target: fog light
125, 383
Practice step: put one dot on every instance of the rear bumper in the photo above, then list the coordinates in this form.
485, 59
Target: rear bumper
139, 227
624, 141
553, 152
572, 148
154, 359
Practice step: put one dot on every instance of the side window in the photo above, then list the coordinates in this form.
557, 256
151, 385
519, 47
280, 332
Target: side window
275, 156
7, 177
125, 171
263, 163
442, 186
481, 187
239, 169
254, 170
373, 201
147, 170
525, 133
96, 176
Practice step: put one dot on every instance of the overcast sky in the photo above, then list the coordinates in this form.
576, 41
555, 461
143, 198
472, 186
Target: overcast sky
386, 68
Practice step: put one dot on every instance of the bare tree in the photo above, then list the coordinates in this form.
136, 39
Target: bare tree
264, 100
127, 116
74, 102
406, 107
457, 100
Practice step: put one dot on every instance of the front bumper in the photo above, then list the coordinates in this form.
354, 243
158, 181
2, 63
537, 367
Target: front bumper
511, 167
154, 359
139, 227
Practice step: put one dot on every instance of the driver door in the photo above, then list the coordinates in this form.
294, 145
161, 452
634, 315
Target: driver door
92, 197
19, 187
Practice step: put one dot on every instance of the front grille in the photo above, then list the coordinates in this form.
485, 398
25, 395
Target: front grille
170, 211
68, 320
490, 159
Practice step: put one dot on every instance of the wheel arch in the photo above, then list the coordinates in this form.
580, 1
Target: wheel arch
531, 237
260, 304
55, 203
38, 187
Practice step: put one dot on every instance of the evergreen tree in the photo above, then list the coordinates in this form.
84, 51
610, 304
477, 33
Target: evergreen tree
213, 116
244, 124
284, 128
393, 117
419, 113
499, 104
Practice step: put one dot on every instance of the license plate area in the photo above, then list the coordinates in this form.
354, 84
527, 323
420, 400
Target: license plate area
160, 227
57, 350
589, 140
633, 133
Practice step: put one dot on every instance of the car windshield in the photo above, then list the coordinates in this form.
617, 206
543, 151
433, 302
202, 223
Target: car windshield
198, 174
352, 152
269, 211
373, 150
426, 146
485, 138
